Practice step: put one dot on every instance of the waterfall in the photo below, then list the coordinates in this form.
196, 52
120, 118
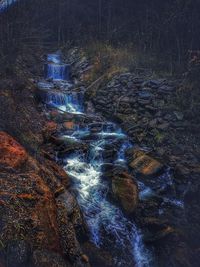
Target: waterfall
57, 71
54, 58
121, 154
64, 101
109, 228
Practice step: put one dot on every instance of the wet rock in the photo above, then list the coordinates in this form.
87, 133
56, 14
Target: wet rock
18, 253
85, 258
107, 167
125, 190
50, 128
59, 191
163, 126
66, 149
69, 125
65, 144
109, 155
95, 127
12, 154
143, 164
179, 115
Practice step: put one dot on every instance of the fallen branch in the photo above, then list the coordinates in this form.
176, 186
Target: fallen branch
95, 82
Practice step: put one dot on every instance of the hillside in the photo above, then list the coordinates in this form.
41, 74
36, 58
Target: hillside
99, 134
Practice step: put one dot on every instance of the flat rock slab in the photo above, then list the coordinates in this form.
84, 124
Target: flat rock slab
143, 164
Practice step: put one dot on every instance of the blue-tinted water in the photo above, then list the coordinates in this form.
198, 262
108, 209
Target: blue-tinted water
55, 69
66, 102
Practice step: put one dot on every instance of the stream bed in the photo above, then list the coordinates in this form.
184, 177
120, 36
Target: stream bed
109, 227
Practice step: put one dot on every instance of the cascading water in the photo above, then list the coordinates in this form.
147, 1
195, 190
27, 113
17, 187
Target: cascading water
64, 101
54, 58
109, 227
107, 224
55, 69
121, 154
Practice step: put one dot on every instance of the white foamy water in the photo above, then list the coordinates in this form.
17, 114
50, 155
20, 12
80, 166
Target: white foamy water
107, 224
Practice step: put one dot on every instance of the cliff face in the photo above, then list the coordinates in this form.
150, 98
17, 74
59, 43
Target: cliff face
37, 228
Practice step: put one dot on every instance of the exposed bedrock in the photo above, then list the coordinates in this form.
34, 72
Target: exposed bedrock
41, 223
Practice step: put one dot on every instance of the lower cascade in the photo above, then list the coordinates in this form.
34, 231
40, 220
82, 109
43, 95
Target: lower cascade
109, 227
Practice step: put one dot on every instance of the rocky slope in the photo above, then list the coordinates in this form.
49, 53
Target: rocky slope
38, 227
146, 111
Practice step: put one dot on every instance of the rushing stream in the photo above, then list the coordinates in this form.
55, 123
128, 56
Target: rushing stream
109, 227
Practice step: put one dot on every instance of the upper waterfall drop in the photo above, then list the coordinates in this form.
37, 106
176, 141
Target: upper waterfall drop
55, 69
54, 58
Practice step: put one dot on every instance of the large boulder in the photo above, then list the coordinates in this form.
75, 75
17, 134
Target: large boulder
31, 209
12, 154
143, 164
27, 206
69, 125
125, 191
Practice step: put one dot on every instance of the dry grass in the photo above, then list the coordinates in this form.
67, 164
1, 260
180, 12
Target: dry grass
108, 60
